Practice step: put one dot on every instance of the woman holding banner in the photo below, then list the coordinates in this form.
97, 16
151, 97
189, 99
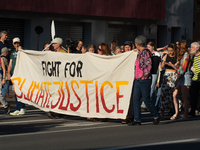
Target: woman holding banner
103, 49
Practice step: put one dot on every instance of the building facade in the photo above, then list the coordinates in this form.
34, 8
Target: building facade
97, 21
196, 21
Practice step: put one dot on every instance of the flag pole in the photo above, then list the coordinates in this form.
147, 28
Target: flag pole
53, 33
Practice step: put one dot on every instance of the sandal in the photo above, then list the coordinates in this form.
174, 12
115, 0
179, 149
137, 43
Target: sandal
175, 117
183, 118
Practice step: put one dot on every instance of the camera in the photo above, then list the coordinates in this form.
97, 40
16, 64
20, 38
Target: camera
71, 44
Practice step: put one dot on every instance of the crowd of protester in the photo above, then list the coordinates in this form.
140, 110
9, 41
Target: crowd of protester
167, 79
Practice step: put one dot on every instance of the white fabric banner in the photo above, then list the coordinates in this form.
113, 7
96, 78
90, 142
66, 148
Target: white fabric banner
86, 85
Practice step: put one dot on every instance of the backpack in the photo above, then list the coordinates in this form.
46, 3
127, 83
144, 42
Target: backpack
138, 71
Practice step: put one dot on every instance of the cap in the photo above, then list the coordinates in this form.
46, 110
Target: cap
5, 49
128, 43
57, 40
16, 40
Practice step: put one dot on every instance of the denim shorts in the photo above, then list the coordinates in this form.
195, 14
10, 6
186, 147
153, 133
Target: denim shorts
186, 80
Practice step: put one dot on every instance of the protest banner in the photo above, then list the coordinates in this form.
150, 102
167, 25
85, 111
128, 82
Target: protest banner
86, 85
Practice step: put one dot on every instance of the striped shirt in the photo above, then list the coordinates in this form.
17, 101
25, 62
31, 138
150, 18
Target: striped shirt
196, 66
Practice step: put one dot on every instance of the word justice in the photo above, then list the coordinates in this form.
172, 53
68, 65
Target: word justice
43, 95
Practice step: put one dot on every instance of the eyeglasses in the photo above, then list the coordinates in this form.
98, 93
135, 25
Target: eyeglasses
99, 49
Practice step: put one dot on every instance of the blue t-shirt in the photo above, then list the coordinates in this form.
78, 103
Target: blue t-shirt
3, 45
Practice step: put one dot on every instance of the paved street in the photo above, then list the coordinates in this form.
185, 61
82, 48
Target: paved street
35, 130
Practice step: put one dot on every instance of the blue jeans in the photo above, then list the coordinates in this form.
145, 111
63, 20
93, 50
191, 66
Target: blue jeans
153, 91
2, 98
19, 105
143, 87
159, 90
5, 89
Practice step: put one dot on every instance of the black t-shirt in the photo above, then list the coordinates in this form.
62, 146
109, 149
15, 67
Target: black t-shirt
173, 60
155, 62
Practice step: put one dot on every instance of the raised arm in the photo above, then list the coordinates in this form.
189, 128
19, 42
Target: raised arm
162, 48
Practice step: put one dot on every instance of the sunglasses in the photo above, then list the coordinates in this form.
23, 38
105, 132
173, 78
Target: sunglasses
99, 49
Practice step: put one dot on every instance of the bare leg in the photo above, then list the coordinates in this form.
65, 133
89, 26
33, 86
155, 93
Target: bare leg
175, 98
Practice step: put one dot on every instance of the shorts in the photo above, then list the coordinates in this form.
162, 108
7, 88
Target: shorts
186, 80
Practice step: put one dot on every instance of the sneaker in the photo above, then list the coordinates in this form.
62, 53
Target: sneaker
126, 121
8, 96
16, 112
134, 123
156, 120
7, 110
184, 118
144, 108
22, 111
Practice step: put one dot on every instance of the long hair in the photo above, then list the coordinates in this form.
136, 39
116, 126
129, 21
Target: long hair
183, 49
105, 49
152, 44
173, 46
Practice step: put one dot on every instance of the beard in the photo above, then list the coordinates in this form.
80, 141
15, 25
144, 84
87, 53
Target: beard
193, 52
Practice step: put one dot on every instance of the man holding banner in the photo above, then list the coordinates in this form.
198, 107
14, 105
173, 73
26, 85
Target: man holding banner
57, 45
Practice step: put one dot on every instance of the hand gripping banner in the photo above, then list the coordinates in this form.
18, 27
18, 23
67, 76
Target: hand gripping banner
86, 85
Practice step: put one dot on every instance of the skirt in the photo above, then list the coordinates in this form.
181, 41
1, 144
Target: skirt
167, 89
